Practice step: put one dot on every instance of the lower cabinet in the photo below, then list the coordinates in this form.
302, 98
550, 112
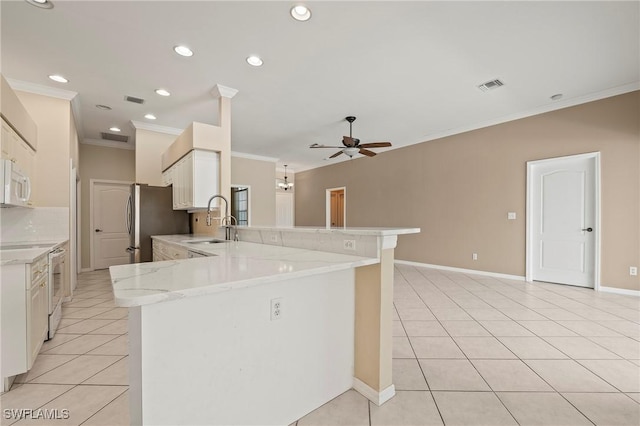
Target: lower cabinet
24, 315
162, 251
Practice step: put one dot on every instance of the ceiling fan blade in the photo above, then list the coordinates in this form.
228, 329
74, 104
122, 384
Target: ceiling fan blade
367, 152
375, 145
336, 154
324, 146
349, 141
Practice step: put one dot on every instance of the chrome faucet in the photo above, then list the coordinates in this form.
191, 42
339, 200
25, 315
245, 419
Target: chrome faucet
226, 207
231, 225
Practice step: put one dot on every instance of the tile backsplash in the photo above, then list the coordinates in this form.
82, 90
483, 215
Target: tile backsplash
36, 224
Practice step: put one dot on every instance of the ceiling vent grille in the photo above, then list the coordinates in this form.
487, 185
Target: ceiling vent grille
115, 138
490, 85
134, 99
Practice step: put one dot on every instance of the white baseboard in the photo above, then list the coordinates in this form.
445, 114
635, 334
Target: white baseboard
623, 291
373, 395
461, 270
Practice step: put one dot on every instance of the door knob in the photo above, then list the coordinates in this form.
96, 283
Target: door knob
588, 229
98, 230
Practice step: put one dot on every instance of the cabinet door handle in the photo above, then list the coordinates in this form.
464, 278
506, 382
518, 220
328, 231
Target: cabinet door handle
98, 230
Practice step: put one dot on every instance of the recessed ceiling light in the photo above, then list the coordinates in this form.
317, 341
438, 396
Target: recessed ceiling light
58, 78
44, 4
556, 97
183, 50
150, 117
103, 107
254, 61
163, 92
115, 129
301, 13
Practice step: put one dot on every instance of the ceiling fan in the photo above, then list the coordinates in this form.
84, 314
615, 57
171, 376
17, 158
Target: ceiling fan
352, 145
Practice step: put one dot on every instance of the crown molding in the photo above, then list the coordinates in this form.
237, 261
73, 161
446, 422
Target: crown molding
223, 91
39, 89
253, 156
156, 128
105, 144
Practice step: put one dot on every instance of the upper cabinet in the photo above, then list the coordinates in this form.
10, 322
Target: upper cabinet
15, 149
195, 178
15, 113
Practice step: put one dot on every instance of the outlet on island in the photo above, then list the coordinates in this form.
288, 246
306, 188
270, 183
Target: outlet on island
350, 245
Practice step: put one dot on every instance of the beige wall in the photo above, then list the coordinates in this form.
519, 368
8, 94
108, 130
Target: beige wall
459, 189
149, 148
98, 162
53, 117
261, 177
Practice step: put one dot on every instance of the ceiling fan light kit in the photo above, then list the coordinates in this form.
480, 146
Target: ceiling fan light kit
352, 145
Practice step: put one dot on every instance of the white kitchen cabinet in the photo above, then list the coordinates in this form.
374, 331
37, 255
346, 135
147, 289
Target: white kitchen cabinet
24, 314
17, 150
163, 251
195, 178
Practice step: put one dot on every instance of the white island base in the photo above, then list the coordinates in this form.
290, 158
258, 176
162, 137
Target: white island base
228, 363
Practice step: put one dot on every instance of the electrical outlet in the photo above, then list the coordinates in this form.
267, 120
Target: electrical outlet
276, 309
274, 238
633, 270
511, 215
474, 256
350, 244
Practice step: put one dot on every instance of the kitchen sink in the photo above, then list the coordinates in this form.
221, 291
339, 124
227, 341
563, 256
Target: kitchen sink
212, 241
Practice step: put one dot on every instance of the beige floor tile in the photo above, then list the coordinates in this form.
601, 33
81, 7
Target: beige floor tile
542, 408
350, 408
622, 346
486, 314
622, 374
406, 408
606, 408
77, 370
455, 314
483, 348
115, 374
588, 328
626, 328
116, 327
84, 326
634, 395
43, 364
117, 346
522, 314
424, 328
106, 304
82, 402
505, 328
531, 348
415, 314
506, 375
83, 303
407, 375
402, 348
546, 328
116, 413
58, 339
28, 396
464, 328
398, 329
581, 348
114, 313
81, 345
66, 322
452, 375
85, 313
558, 314
435, 347
472, 408
568, 376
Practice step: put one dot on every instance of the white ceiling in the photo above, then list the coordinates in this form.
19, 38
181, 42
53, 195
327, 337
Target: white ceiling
407, 70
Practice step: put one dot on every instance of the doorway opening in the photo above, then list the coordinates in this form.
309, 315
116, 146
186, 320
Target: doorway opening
563, 220
240, 202
336, 207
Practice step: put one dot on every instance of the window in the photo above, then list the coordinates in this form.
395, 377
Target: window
240, 204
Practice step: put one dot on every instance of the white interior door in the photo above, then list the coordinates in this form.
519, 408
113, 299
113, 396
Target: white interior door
110, 236
563, 220
284, 209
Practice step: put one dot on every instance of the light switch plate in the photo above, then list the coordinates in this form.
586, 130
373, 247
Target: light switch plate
511, 216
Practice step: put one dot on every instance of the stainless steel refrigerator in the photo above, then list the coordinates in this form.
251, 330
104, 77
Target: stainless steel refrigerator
150, 212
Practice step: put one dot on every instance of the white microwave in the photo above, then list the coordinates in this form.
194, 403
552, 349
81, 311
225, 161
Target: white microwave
16, 186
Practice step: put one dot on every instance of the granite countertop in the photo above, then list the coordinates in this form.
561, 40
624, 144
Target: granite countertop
21, 252
232, 265
380, 231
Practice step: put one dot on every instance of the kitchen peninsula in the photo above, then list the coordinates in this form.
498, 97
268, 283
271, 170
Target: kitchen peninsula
263, 330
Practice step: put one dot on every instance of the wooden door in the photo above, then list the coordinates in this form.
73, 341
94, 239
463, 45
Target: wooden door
337, 208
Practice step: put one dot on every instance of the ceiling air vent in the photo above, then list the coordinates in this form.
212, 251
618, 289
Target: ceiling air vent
490, 85
134, 99
114, 137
